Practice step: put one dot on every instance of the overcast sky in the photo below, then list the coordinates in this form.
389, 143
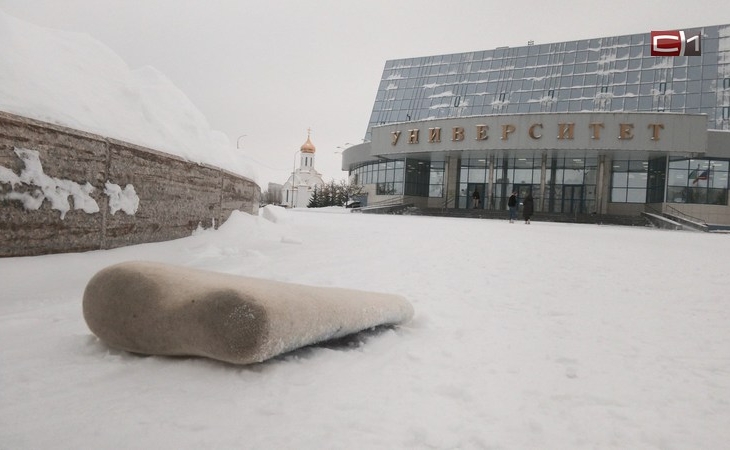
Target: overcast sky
271, 69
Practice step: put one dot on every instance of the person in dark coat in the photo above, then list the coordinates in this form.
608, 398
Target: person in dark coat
512, 203
528, 208
475, 196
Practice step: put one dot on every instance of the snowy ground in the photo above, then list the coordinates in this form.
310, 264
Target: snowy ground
550, 336
547, 336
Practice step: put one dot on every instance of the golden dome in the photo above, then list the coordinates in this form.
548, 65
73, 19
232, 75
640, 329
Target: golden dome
308, 147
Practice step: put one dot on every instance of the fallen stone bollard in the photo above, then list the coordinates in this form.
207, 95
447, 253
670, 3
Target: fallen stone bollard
159, 309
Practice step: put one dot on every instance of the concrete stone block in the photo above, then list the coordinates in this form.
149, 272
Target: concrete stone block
159, 309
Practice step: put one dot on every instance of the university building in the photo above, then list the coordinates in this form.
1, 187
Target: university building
589, 127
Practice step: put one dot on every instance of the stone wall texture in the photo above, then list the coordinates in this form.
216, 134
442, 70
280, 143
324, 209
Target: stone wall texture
48, 173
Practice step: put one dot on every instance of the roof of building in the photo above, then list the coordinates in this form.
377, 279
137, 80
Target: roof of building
308, 147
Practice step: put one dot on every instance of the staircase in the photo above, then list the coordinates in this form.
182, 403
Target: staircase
600, 219
675, 219
651, 218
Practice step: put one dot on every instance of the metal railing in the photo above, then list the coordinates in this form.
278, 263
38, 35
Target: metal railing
397, 200
684, 215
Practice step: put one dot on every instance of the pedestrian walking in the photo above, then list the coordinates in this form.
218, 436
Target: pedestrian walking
528, 207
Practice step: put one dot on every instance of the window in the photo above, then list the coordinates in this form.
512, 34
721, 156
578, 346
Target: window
702, 181
657, 179
386, 176
694, 72
417, 178
436, 180
629, 181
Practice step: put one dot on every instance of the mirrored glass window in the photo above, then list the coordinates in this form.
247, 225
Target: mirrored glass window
556, 65
629, 181
698, 181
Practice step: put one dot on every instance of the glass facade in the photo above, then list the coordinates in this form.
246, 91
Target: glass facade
629, 181
402, 177
603, 74
436, 180
569, 183
593, 75
702, 181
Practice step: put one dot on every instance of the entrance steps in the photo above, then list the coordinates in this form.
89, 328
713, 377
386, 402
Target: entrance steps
600, 219
688, 223
645, 219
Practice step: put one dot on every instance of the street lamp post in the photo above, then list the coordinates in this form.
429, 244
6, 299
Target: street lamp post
342, 148
293, 177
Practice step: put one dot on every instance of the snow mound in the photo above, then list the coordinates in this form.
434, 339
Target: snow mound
275, 214
73, 80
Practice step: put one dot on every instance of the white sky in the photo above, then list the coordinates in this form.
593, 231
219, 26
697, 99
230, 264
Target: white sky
271, 70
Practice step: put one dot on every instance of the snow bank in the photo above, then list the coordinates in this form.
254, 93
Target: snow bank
275, 214
73, 80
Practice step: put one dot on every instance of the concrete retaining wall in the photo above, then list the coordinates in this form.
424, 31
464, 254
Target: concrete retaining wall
63, 190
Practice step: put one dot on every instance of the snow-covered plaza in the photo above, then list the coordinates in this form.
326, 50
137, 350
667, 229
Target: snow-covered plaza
552, 336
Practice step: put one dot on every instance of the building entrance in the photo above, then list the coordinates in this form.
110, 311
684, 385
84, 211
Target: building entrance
479, 187
572, 199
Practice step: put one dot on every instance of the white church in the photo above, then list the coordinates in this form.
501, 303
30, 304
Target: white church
299, 188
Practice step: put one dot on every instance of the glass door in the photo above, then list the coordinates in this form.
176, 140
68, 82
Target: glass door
522, 191
481, 190
572, 199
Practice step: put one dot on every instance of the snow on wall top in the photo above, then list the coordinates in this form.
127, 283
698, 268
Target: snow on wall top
73, 80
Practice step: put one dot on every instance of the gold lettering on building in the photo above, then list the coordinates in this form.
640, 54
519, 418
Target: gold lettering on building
482, 132
507, 130
457, 134
566, 130
655, 130
413, 136
626, 131
434, 134
596, 130
532, 133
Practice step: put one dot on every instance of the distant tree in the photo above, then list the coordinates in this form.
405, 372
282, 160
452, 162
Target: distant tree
349, 190
333, 194
314, 200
